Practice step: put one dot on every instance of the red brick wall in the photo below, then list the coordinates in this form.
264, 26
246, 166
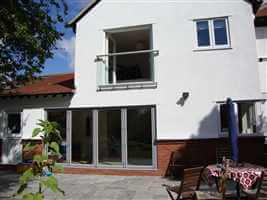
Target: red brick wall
196, 152
203, 151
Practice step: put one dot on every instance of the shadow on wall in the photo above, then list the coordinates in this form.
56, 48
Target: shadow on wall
201, 152
196, 152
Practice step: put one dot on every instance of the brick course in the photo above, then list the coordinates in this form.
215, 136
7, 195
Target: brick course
193, 152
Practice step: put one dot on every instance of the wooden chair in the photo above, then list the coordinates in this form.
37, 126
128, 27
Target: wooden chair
189, 184
260, 193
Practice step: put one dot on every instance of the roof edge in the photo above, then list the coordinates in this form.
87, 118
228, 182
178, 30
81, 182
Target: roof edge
255, 4
83, 12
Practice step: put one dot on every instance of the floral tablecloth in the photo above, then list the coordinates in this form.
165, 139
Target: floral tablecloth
246, 175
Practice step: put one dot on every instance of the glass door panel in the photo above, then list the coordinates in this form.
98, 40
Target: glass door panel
139, 136
109, 137
82, 137
60, 118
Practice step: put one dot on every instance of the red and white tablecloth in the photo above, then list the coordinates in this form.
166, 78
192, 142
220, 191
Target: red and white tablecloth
246, 175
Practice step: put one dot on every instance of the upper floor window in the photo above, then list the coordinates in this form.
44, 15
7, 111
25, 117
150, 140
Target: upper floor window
129, 57
14, 123
212, 33
246, 117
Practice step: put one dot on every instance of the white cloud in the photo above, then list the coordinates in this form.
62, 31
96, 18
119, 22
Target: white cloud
67, 50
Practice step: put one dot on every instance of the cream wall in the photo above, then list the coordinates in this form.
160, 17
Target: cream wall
32, 109
208, 76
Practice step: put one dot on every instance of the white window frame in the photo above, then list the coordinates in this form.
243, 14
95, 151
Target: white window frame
10, 134
212, 45
104, 58
226, 133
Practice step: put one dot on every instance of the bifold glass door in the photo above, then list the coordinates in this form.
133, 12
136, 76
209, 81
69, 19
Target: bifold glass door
139, 137
125, 137
109, 137
119, 137
60, 117
82, 137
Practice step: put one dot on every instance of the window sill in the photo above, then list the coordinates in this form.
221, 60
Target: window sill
13, 136
222, 135
212, 48
127, 86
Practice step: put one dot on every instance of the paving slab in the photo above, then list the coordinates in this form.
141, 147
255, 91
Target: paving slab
94, 187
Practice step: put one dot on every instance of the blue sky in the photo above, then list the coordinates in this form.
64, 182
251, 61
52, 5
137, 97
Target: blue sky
63, 58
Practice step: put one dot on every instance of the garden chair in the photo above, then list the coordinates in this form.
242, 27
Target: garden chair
190, 182
260, 193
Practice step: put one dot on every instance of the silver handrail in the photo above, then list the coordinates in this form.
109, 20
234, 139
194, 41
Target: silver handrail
127, 53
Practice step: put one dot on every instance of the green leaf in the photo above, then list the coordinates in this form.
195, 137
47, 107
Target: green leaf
36, 132
52, 184
28, 196
54, 146
21, 188
40, 158
38, 196
29, 147
26, 177
57, 168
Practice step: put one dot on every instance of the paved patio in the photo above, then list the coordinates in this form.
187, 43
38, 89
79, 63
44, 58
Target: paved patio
95, 187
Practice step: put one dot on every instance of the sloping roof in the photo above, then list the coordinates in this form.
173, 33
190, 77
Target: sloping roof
83, 12
261, 16
93, 3
262, 12
51, 84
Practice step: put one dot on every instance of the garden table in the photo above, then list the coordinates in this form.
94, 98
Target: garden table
245, 175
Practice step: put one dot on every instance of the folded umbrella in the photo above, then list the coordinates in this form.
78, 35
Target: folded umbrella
233, 129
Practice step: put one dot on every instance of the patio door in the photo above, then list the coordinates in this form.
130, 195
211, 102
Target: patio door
110, 137
125, 137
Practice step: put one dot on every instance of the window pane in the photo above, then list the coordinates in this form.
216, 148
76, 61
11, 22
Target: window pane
14, 122
130, 67
223, 114
203, 33
139, 136
109, 137
133, 68
246, 118
82, 137
220, 32
60, 118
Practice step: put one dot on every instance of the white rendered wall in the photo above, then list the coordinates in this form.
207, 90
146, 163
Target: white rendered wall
208, 76
30, 119
32, 109
261, 39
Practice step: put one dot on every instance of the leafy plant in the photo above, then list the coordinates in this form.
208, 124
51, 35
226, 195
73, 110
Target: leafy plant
50, 135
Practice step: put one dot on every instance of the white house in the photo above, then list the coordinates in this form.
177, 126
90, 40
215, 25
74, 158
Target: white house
151, 77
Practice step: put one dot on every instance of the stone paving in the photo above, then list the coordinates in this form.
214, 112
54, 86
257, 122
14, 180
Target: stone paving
94, 187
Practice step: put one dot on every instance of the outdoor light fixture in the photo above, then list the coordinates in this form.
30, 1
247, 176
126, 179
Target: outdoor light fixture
183, 98
185, 95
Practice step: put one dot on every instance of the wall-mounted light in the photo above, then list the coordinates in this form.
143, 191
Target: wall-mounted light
185, 95
183, 98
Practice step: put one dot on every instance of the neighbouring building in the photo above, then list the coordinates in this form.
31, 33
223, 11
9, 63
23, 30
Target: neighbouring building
151, 78
261, 39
